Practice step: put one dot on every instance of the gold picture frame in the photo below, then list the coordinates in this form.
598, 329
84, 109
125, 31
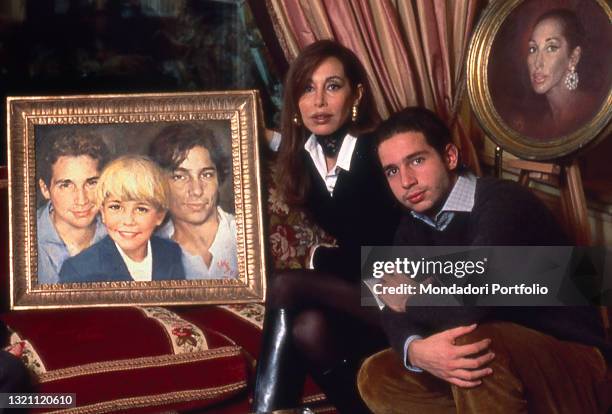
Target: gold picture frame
511, 100
127, 122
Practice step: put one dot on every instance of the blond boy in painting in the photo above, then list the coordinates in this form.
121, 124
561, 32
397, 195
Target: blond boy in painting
133, 196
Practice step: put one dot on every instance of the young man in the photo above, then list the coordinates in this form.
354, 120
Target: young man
68, 222
514, 360
205, 232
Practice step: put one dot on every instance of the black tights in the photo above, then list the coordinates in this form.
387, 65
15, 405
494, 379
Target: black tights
329, 322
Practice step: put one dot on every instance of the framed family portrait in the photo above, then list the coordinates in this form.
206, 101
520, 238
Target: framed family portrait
540, 75
135, 199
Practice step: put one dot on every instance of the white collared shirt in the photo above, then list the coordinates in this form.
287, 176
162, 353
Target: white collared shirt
140, 271
224, 263
343, 162
460, 199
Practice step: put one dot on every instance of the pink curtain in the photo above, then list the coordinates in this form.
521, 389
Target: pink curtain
413, 50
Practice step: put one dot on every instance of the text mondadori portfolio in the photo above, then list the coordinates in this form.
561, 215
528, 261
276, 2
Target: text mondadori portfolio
469, 289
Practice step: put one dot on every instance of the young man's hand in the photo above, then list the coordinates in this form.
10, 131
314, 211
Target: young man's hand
461, 365
268, 135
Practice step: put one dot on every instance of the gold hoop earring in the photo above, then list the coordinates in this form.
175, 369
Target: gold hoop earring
354, 113
296, 120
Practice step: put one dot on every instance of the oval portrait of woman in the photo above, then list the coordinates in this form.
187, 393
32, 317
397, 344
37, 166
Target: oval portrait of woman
550, 67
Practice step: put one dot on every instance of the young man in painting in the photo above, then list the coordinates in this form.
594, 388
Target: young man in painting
68, 222
206, 233
132, 195
517, 359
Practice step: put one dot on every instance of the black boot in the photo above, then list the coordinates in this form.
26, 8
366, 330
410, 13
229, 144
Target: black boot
340, 386
280, 375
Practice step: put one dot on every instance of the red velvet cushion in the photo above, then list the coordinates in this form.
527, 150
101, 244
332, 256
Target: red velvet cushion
90, 339
242, 323
119, 358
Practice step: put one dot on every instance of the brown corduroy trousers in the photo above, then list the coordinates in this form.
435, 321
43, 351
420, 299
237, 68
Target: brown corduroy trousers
532, 373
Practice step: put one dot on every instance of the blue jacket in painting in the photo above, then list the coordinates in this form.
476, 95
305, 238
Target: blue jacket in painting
102, 262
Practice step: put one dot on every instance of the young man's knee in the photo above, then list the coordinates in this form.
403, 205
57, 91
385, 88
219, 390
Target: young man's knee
490, 330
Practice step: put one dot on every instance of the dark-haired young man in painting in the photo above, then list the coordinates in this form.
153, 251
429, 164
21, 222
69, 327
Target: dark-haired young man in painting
196, 167
68, 222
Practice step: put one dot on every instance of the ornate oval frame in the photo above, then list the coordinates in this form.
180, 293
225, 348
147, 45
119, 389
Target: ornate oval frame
511, 140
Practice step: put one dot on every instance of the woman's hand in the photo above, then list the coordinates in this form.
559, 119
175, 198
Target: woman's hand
268, 134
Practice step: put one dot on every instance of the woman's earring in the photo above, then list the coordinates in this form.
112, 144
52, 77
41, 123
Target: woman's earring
354, 113
571, 79
296, 120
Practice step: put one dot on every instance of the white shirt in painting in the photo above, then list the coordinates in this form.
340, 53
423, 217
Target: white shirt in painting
224, 263
140, 271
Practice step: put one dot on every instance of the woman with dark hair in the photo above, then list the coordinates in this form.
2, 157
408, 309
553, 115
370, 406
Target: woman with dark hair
327, 164
553, 56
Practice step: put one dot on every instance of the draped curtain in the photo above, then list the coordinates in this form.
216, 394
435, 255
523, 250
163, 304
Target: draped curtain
413, 50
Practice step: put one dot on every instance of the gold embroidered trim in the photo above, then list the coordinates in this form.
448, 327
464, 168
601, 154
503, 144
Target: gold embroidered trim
251, 312
153, 400
185, 336
138, 363
325, 409
313, 398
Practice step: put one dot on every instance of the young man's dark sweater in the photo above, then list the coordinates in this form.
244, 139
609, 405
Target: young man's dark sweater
504, 214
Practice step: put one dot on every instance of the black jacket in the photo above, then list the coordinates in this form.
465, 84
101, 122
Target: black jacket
362, 210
